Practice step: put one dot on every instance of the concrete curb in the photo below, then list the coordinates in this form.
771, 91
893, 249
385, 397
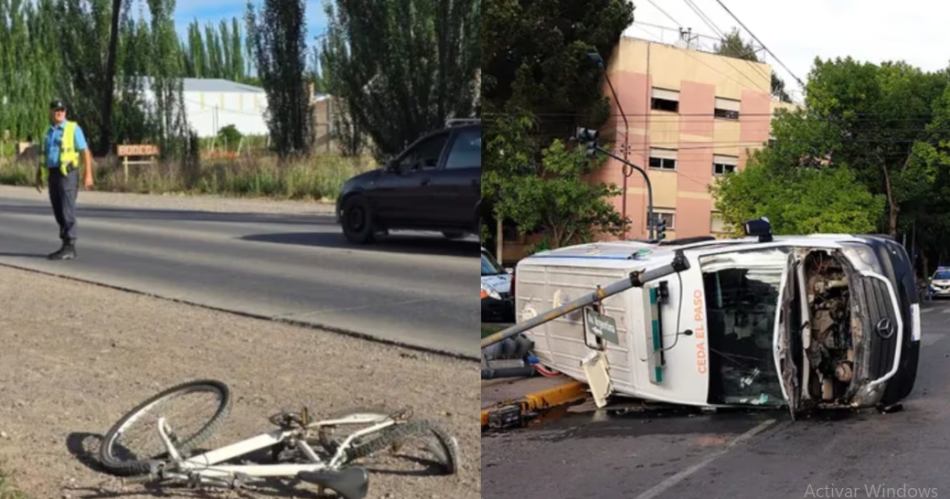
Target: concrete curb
539, 401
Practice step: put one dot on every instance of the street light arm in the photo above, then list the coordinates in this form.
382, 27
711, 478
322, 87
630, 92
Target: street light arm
645, 177
626, 126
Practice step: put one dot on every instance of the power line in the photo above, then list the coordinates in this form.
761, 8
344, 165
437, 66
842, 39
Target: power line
722, 35
664, 13
760, 43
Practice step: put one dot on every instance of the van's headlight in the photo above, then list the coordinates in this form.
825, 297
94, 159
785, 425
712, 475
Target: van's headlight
490, 292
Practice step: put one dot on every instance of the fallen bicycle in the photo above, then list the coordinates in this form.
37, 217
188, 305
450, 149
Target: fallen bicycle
317, 452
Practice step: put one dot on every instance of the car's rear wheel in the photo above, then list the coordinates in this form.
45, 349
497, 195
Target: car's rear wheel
357, 220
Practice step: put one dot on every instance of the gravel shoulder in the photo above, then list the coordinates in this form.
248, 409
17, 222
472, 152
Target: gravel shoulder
183, 202
74, 357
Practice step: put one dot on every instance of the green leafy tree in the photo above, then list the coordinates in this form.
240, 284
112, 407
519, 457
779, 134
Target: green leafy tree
552, 197
166, 78
801, 200
875, 114
535, 58
734, 46
280, 50
538, 84
402, 67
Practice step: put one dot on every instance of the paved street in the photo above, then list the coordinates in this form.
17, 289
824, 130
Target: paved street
739, 455
416, 289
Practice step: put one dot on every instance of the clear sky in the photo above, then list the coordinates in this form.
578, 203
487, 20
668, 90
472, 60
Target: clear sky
797, 32
213, 11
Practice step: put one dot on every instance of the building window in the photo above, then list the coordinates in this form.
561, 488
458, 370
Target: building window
727, 109
722, 169
668, 216
662, 159
717, 225
724, 164
665, 100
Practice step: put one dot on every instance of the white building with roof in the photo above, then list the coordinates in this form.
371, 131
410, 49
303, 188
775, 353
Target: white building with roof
212, 104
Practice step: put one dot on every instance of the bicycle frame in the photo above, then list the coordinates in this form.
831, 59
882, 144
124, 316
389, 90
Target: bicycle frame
206, 465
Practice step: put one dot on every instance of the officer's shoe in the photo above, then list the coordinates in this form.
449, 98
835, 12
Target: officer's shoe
67, 252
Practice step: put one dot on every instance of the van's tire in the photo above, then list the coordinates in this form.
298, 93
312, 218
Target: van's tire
357, 220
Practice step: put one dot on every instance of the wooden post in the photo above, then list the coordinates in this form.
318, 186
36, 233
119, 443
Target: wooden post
500, 255
125, 168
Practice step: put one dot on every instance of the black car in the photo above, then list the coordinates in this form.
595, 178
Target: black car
434, 185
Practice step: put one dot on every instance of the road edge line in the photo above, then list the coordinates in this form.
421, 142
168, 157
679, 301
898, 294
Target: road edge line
250, 315
545, 399
680, 476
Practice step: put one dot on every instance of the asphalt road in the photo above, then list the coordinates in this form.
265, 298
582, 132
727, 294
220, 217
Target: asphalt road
739, 455
416, 289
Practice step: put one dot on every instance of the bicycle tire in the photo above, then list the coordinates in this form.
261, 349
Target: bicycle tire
448, 454
330, 443
144, 466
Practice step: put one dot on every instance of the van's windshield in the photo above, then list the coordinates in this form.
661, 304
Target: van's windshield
742, 305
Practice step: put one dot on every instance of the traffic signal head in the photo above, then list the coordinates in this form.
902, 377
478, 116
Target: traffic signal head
660, 226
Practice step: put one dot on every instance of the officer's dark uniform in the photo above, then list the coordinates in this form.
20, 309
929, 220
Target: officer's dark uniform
63, 189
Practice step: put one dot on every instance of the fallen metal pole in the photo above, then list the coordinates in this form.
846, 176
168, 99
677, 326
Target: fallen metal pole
637, 279
509, 372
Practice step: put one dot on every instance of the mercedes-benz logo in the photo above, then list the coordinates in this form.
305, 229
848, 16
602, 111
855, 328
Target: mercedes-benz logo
884, 328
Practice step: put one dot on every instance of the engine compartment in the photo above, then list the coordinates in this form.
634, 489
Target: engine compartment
829, 338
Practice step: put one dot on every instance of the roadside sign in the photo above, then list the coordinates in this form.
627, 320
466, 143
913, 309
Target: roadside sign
125, 150
600, 325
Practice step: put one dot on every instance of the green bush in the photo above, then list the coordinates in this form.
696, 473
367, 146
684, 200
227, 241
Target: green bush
318, 177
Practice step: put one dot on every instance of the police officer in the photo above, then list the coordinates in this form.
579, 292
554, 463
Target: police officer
60, 152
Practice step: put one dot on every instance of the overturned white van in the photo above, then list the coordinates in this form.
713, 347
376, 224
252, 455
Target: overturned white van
803, 322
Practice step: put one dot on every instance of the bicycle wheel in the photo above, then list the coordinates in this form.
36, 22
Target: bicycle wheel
444, 448
330, 438
192, 410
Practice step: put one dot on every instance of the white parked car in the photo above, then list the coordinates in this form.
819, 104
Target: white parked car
803, 322
940, 283
497, 302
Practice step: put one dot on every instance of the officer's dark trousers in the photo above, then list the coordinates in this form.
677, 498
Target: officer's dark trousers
62, 194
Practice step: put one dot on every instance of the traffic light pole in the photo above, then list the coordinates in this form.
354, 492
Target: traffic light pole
652, 221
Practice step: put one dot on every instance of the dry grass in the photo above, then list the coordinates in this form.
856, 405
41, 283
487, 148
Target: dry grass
7, 490
318, 177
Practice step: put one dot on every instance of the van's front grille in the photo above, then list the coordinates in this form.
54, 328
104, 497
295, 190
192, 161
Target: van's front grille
880, 327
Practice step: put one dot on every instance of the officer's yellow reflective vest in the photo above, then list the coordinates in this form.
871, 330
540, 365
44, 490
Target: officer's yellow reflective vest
68, 156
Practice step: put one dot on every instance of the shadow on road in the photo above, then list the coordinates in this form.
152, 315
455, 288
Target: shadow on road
85, 448
23, 255
139, 214
391, 244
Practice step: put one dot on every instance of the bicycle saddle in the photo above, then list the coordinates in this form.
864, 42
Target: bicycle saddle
348, 483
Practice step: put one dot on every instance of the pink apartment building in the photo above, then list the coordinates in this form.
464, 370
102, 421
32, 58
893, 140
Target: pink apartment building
692, 116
